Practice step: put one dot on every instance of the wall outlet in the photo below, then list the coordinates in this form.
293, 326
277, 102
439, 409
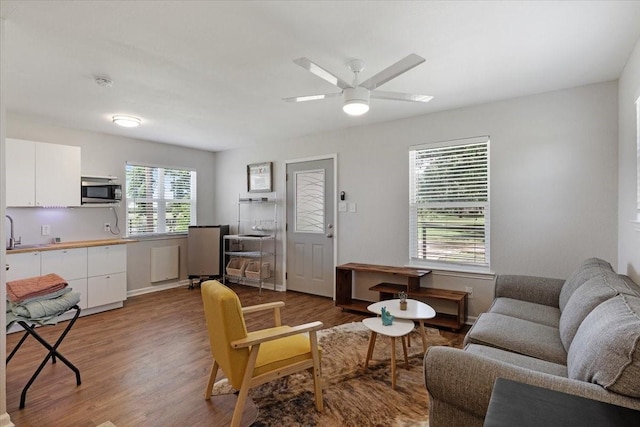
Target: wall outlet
107, 227
469, 290
46, 230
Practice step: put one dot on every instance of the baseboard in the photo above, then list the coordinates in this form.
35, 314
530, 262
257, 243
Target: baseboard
156, 288
5, 420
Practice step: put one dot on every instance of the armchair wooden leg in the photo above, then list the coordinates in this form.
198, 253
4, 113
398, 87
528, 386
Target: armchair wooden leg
212, 380
244, 388
317, 378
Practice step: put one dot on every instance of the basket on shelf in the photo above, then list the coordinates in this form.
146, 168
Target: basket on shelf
237, 266
253, 270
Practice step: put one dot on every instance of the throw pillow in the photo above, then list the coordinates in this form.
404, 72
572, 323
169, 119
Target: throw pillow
587, 269
606, 348
585, 298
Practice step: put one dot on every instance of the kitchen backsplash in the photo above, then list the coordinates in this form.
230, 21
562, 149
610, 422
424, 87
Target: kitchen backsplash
69, 224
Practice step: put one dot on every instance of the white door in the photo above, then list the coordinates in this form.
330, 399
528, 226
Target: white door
310, 227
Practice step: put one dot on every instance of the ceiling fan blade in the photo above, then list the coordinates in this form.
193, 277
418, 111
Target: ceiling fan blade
312, 97
307, 64
393, 71
398, 96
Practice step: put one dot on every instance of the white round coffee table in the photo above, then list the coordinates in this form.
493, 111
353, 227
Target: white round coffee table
399, 328
416, 310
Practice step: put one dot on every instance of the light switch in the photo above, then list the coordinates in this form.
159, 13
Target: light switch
352, 207
46, 230
342, 206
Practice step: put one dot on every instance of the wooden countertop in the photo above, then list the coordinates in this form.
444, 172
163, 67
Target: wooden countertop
68, 245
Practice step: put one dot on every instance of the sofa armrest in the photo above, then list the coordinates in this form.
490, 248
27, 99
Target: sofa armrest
465, 381
539, 290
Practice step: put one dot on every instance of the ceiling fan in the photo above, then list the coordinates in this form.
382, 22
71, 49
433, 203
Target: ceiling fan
356, 94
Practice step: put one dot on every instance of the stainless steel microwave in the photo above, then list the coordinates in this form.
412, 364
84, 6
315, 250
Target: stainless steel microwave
95, 192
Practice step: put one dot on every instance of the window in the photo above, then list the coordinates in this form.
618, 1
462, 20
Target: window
159, 199
449, 203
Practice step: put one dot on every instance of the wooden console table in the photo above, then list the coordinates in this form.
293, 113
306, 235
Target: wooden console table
344, 289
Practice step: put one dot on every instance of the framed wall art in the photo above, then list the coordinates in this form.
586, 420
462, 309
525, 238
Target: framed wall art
260, 177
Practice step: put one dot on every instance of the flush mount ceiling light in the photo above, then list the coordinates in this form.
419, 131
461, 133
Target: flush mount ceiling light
127, 121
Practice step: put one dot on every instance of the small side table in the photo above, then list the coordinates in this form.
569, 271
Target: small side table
513, 403
416, 310
399, 328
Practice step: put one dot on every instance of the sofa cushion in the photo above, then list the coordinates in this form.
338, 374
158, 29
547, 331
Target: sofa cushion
592, 293
537, 313
518, 335
606, 348
588, 269
520, 360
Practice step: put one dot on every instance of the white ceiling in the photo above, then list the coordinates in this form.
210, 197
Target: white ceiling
211, 75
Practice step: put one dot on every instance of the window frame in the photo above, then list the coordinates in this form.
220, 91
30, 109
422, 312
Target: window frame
413, 209
162, 203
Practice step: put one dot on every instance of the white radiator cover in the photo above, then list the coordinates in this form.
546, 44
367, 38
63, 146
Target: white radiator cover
165, 263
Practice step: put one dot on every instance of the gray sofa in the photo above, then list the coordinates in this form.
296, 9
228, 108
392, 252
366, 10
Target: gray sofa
579, 336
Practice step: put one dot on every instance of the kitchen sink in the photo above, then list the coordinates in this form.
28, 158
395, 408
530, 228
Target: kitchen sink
42, 245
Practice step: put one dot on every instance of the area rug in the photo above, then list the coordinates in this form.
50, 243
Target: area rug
353, 396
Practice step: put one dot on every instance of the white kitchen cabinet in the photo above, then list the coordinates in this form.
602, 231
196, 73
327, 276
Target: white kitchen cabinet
107, 271
22, 266
70, 264
107, 259
107, 289
57, 175
21, 172
41, 174
98, 273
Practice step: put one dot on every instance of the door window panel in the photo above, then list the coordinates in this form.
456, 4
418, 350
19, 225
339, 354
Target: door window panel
309, 197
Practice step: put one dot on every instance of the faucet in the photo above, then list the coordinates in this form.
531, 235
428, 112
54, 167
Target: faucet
12, 241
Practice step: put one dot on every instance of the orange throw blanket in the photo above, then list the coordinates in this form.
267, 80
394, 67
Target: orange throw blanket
23, 289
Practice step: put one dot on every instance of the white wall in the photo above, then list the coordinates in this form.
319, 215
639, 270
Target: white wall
553, 181
4, 417
107, 155
628, 233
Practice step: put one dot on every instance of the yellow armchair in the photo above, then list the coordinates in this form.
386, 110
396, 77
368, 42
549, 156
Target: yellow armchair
249, 359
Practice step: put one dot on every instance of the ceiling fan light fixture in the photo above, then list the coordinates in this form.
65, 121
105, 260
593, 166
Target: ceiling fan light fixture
356, 101
126, 121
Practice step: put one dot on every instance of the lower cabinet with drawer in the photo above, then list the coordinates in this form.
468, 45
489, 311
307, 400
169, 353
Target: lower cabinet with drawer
23, 265
98, 273
107, 274
70, 264
107, 289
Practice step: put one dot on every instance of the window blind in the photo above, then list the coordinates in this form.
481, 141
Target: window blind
159, 199
449, 202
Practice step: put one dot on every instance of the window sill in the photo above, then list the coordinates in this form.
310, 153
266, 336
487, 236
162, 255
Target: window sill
167, 236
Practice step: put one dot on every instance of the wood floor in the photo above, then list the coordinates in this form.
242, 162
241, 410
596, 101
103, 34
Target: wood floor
143, 365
